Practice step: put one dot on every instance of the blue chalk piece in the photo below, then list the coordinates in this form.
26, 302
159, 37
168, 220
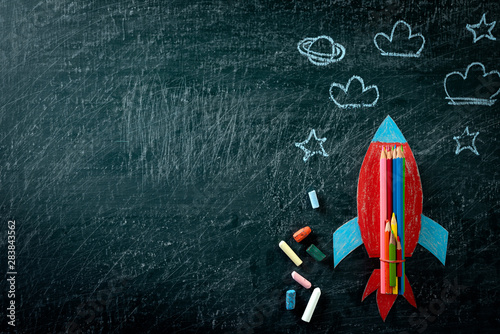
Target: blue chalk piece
314, 199
434, 238
290, 299
346, 239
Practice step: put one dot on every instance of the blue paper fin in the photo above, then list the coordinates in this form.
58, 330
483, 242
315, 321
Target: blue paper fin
434, 238
346, 239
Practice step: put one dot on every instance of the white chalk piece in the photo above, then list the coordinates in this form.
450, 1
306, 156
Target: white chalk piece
291, 254
311, 305
314, 199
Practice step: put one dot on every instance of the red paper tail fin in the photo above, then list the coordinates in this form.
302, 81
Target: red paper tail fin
385, 302
373, 283
409, 293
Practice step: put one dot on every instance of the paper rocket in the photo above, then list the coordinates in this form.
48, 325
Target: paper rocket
365, 228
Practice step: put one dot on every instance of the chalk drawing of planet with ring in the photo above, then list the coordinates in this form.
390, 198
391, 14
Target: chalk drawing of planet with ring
321, 50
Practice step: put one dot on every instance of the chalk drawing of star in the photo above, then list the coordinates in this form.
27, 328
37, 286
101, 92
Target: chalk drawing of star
480, 29
466, 137
309, 153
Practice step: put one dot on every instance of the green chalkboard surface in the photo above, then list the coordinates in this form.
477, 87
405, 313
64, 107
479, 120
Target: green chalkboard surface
154, 153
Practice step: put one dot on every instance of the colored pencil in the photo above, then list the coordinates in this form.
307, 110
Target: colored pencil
394, 226
389, 184
394, 182
394, 230
399, 193
383, 214
402, 234
386, 256
397, 188
392, 257
399, 269
389, 163
396, 288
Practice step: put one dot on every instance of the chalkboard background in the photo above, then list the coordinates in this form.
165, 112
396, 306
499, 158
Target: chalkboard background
148, 159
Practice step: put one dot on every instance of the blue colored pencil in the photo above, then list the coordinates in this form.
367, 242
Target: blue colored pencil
398, 191
400, 207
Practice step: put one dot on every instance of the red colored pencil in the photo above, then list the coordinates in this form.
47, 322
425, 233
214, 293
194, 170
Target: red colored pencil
399, 257
389, 184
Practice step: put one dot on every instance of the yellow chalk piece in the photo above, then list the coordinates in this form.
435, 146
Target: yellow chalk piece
291, 254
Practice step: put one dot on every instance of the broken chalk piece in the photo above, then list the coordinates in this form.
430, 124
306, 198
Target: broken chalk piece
291, 254
314, 199
315, 253
290, 299
311, 305
301, 280
302, 233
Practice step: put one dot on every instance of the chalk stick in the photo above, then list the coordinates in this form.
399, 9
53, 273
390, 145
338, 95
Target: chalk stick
311, 305
291, 254
315, 253
290, 299
314, 199
301, 280
302, 233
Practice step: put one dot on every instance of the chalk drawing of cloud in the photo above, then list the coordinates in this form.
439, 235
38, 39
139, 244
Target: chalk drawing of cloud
401, 43
474, 87
354, 94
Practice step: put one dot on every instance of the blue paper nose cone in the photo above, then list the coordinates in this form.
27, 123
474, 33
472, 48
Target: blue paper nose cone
388, 132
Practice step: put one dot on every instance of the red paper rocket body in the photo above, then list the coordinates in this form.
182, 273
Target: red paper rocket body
365, 228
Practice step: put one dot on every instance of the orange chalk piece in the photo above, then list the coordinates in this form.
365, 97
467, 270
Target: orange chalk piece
302, 233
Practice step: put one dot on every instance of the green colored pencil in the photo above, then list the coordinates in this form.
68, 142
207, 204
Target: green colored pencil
392, 257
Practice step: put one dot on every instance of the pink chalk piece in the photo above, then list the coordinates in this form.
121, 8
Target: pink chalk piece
301, 280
